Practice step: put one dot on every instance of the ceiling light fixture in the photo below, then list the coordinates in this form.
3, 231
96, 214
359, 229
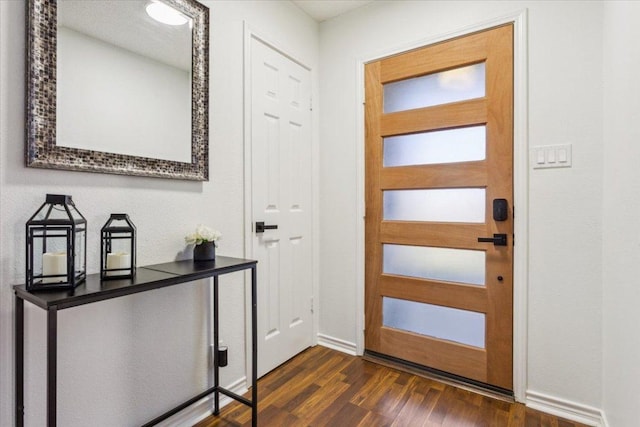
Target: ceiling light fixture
165, 14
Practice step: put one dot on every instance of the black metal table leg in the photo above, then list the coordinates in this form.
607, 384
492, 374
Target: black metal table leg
52, 364
254, 347
216, 364
19, 330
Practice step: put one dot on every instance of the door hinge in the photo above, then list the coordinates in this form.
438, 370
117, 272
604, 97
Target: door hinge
310, 104
312, 304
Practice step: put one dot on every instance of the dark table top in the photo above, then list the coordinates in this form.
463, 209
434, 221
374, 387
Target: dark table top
147, 278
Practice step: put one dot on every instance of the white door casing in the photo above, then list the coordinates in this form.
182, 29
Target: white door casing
281, 194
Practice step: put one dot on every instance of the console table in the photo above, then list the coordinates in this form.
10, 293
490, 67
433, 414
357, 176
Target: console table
146, 279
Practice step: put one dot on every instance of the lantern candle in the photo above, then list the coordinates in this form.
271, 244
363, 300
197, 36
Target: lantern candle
56, 246
118, 248
118, 260
54, 263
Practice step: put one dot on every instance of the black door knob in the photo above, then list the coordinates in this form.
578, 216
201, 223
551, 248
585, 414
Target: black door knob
497, 239
260, 227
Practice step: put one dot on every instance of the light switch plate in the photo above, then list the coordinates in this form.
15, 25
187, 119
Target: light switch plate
551, 156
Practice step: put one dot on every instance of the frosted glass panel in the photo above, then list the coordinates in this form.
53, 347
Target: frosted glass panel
454, 85
452, 265
442, 205
466, 327
444, 146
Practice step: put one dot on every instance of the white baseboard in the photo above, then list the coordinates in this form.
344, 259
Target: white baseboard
566, 409
204, 407
337, 344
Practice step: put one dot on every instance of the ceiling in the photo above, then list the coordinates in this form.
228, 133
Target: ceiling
321, 10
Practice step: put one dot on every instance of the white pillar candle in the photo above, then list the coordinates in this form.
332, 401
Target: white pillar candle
118, 260
54, 263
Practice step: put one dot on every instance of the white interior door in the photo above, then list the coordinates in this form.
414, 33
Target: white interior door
281, 197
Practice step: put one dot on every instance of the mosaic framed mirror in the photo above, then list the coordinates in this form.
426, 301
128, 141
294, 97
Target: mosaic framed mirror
111, 89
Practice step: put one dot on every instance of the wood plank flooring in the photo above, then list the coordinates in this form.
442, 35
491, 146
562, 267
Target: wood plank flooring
323, 387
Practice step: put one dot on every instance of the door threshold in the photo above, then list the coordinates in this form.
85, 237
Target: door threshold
440, 376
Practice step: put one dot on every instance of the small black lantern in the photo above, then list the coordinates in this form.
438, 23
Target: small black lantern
118, 248
56, 255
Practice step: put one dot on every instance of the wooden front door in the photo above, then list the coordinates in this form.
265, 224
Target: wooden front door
439, 178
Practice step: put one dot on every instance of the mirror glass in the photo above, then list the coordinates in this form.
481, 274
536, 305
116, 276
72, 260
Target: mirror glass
112, 89
123, 81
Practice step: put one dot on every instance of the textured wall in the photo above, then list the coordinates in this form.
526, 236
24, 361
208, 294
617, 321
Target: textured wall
123, 361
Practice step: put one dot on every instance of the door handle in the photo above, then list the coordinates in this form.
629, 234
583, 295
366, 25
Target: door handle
497, 239
260, 227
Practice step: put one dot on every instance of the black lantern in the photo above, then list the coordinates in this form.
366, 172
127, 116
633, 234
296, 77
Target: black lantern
118, 248
56, 245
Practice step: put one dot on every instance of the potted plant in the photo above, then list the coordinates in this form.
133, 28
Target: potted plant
204, 239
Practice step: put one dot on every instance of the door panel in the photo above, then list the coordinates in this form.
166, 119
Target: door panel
438, 151
458, 84
426, 262
435, 147
451, 324
281, 195
442, 204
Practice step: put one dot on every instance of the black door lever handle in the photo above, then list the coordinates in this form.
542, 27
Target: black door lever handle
497, 240
260, 227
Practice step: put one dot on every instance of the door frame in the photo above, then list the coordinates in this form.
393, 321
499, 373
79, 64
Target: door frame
248, 35
520, 184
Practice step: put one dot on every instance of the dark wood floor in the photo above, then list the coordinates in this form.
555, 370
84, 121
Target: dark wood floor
323, 387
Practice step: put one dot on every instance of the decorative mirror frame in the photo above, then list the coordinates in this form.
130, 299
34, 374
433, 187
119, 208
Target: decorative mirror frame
41, 149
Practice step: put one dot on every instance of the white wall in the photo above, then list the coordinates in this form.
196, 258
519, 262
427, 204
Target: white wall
123, 361
565, 106
621, 248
